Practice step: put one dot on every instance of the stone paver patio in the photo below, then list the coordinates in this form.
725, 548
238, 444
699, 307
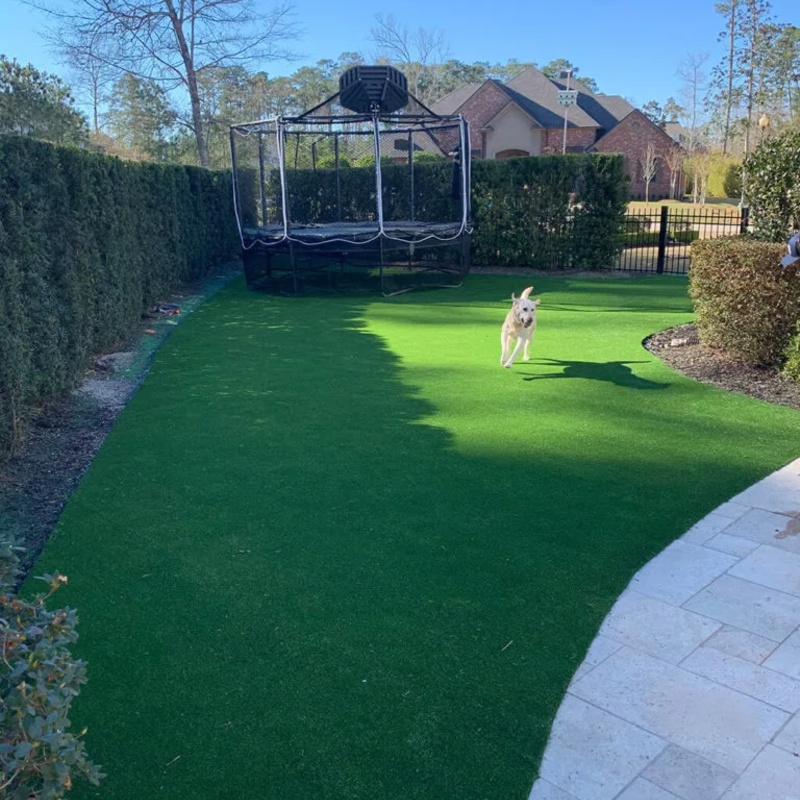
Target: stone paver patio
691, 690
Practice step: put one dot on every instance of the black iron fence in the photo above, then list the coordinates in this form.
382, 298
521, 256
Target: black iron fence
660, 240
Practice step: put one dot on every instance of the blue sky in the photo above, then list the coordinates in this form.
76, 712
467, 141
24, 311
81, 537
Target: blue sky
632, 49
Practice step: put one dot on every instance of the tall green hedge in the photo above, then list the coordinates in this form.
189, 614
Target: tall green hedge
523, 216
86, 243
521, 207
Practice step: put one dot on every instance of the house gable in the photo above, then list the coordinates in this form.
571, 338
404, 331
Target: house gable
480, 107
511, 131
631, 137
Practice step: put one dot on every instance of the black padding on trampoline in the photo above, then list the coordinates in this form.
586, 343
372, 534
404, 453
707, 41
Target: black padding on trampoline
355, 232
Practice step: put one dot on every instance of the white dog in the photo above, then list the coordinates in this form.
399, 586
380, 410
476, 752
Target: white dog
520, 324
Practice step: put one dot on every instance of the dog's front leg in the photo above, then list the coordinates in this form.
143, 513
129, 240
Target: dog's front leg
514, 355
526, 353
504, 344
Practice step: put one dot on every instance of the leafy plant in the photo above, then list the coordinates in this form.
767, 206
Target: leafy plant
732, 181
791, 368
523, 214
126, 233
773, 186
39, 679
34, 103
746, 303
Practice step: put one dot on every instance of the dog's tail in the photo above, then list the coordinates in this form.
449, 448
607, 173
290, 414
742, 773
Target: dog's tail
526, 294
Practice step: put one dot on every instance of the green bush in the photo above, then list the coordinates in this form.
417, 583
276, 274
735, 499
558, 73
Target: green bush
732, 182
39, 679
791, 367
329, 162
86, 243
773, 186
523, 215
521, 207
747, 305
427, 157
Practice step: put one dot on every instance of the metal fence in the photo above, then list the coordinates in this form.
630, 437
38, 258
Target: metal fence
661, 240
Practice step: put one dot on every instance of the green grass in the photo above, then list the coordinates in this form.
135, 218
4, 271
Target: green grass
332, 550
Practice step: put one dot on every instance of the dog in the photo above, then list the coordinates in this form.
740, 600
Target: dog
519, 325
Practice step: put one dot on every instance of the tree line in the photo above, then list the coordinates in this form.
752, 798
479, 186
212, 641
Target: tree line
754, 88
164, 79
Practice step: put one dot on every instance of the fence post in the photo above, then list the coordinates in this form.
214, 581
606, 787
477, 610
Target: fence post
662, 241
744, 221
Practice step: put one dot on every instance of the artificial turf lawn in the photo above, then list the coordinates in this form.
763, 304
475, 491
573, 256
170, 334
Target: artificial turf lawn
332, 550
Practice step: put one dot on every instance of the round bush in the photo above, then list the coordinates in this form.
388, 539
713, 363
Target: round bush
746, 303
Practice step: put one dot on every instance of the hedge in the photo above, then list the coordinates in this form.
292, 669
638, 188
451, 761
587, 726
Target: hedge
520, 206
86, 243
746, 303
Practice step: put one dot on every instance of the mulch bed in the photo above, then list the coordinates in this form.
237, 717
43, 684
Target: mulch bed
681, 349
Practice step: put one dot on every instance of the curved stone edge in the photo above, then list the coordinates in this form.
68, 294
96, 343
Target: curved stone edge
691, 689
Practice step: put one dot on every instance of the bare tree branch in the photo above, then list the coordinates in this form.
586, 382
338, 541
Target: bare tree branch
171, 41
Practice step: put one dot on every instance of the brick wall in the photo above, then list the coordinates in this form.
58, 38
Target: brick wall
578, 139
485, 104
631, 138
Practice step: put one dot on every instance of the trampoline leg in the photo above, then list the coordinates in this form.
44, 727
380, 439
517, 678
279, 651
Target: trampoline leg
293, 264
380, 256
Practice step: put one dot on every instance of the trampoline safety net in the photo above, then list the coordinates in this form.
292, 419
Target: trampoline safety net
337, 189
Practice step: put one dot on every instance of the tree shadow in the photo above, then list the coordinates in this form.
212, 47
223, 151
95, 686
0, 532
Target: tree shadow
617, 372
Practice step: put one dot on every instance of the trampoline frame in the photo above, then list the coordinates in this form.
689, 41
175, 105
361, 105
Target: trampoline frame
272, 253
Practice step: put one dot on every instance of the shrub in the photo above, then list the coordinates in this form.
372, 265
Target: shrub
329, 162
732, 182
791, 368
523, 214
426, 157
86, 243
773, 186
39, 678
746, 304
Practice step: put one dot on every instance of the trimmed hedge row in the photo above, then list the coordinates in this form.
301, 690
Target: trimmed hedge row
86, 243
521, 207
746, 303
523, 216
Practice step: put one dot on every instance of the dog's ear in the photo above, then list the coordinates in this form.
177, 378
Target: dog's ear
513, 297
537, 301
526, 294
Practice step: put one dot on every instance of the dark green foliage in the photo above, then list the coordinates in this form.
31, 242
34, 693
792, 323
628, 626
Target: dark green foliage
602, 199
86, 242
746, 304
791, 367
548, 212
773, 178
523, 215
38, 104
39, 678
732, 182
325, 196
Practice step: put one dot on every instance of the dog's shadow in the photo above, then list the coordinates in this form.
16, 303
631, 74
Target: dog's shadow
617, 372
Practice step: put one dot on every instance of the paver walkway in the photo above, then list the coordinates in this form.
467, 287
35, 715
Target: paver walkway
691, 690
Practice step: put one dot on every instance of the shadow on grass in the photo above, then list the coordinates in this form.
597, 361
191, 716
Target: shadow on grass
616, 372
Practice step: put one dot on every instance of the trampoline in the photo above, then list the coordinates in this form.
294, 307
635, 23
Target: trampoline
370, 187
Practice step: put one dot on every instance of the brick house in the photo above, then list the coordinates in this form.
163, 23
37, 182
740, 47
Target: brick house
523, 117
